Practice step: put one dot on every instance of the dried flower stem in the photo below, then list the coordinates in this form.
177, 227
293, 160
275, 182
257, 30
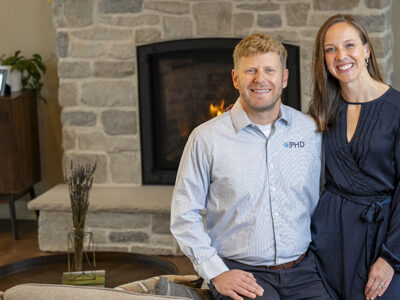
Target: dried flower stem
79, 184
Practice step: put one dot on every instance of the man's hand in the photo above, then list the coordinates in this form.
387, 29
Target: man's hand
379, 278
234, 283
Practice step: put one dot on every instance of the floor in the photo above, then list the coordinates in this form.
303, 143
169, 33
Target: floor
27, 246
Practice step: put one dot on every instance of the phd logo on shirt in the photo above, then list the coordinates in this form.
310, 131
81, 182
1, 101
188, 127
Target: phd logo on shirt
290, 145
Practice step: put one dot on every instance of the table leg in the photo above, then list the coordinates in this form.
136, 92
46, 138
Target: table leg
14, 226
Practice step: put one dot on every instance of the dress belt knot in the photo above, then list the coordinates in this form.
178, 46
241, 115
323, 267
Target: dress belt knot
374, 211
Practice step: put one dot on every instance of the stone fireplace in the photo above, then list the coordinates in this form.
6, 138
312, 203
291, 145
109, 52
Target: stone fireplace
97, 44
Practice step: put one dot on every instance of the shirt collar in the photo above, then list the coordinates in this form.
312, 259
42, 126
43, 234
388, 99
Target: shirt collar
285, 115
240, 119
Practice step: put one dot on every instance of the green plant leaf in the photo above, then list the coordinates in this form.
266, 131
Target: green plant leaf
31, 69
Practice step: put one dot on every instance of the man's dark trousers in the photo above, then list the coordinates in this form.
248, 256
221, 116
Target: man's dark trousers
301, 281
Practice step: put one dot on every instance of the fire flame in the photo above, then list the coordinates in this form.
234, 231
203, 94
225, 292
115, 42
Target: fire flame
216, 110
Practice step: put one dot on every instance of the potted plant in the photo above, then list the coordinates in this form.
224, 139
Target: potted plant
30, 70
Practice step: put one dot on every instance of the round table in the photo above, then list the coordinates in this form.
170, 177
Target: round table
120, 268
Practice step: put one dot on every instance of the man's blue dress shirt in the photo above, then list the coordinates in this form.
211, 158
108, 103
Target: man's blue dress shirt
259, 192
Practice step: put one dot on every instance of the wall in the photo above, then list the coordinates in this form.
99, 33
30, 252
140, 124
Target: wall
28, 26
96, 46
396, 49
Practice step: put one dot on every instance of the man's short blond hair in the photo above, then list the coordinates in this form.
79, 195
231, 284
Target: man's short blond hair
258, 43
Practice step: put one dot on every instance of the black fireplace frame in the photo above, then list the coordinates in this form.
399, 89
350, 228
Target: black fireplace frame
151, 173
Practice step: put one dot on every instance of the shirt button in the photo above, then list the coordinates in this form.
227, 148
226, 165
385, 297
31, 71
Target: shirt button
273, 188
271, 166
276, 214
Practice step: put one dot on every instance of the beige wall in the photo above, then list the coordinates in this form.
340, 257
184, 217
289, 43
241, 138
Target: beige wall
27, 25
396, 38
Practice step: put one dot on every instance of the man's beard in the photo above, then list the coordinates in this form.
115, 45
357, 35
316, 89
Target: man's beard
269, 107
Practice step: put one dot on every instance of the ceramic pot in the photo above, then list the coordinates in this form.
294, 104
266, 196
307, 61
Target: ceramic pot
13, 78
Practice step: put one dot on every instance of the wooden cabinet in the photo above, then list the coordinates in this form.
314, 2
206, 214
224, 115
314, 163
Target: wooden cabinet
19, 147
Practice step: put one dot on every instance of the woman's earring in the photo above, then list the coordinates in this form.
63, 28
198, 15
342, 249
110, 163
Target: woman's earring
366, 61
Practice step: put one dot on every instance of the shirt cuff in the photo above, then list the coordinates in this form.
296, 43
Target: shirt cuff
211, 268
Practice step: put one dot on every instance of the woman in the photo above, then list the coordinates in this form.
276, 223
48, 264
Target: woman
356, 226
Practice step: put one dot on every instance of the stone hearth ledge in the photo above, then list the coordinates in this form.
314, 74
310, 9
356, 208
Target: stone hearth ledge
122, 219
141, 199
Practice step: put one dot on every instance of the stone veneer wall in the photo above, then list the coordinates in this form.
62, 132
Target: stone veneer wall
144, 233
96, 46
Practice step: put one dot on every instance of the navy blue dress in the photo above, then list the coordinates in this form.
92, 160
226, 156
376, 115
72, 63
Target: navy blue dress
357, 219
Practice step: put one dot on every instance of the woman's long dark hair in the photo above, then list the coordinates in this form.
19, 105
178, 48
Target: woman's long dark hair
324, 105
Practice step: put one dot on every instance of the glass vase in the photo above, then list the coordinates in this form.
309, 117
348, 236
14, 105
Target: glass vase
81, 255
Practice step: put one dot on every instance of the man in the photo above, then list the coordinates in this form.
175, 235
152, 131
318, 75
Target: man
256, 171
